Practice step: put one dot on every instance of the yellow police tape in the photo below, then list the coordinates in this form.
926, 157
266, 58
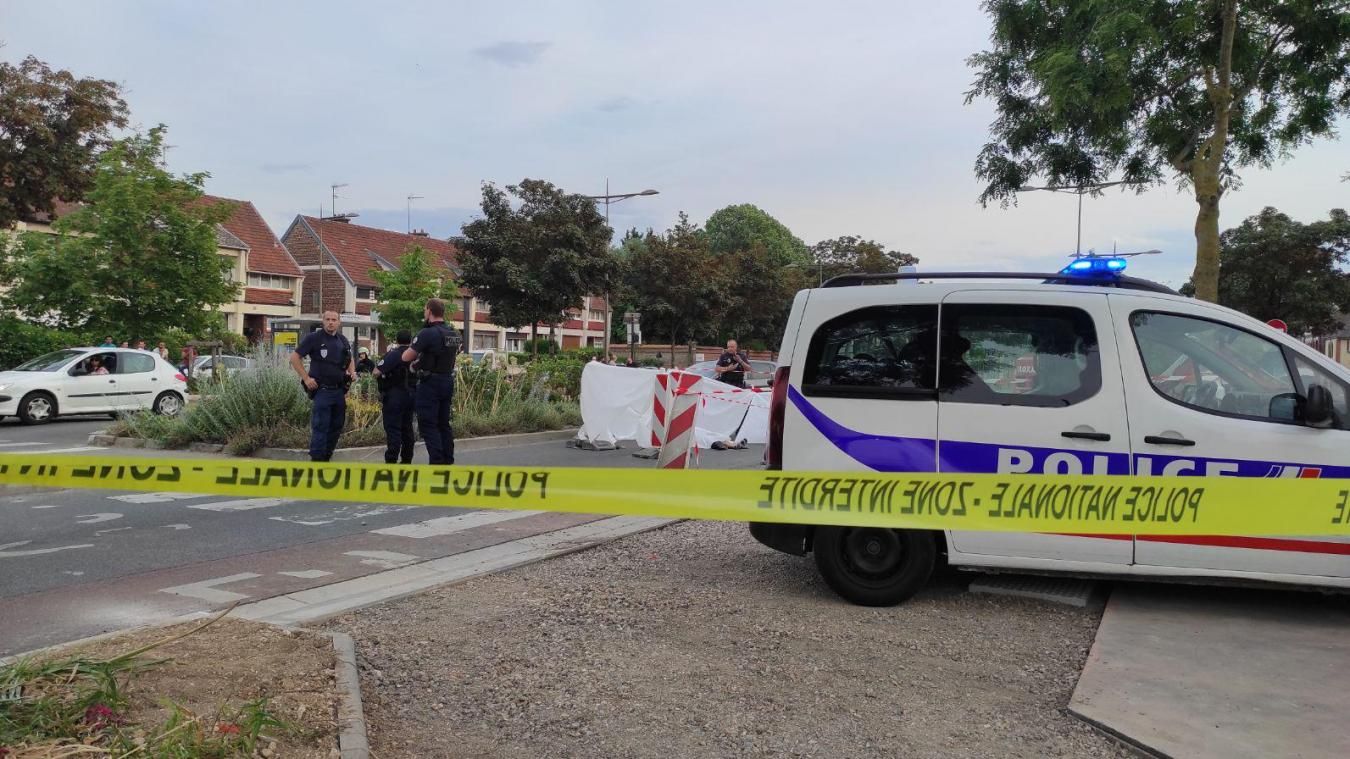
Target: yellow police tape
1107, 505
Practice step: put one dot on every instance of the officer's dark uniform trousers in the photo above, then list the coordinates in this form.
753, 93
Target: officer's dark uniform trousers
325, 423
434, 394
398, 425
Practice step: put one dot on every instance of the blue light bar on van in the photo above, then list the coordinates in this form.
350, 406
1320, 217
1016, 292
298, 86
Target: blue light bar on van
1095, 266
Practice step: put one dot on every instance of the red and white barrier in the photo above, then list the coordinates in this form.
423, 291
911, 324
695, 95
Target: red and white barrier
679, 449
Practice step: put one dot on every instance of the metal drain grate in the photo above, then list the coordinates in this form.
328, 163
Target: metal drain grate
1061, 590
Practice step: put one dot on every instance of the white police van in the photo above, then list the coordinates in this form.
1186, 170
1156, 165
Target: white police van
1083, 371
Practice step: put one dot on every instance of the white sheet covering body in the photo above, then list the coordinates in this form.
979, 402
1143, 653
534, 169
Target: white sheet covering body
616, 404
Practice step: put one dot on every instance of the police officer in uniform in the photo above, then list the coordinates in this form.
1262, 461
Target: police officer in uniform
397, 384
331, 371
435, 349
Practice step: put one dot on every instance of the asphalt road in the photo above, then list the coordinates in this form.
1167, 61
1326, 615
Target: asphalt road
76, 562
57, 436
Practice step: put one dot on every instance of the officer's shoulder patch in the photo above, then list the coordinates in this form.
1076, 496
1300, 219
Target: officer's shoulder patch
414, 342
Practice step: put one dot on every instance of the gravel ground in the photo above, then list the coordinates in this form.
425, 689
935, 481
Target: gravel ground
696, 641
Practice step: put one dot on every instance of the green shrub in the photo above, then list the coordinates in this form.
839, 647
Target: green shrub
21, 341
267, 408
546, 347
556, 377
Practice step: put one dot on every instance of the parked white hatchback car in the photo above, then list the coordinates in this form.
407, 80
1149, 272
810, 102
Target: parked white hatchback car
1050, 374
91, 381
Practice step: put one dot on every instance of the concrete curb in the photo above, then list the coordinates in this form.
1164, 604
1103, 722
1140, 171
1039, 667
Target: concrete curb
369, 453
351, 716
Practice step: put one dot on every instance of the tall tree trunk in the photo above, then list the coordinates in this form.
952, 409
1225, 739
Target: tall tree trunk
1207, 167
534, 340
1206, 274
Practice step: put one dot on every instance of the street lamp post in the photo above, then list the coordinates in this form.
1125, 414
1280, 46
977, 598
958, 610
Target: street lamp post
820, 271
1080, 191
607, 199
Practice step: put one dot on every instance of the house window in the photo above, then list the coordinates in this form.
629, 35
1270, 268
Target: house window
268, 281
515, 342
485, 341
365, 293
597, 315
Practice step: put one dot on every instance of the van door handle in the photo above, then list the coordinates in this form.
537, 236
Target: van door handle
1156, 440
1102, 436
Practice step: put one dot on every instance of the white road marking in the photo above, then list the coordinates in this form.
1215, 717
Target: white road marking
307, 574
75, 574
114, 529
343, 517
385, 559
446, 525
35, 551
179, 526
77, 450
102, 516
246, 504
54, 506
18, 445
206, 590
156, 497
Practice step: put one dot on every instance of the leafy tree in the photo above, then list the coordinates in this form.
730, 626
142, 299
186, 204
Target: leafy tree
137, 260
737, 228
680, 287
1276, 267
1135, 88
847, 254
404, 291
52, 127
535, 261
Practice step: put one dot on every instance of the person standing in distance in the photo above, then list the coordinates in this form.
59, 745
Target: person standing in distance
331, 370
435, 349
396, 401
732, 366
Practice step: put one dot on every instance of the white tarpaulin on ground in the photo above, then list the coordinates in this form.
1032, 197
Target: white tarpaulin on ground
726, 408
616, 404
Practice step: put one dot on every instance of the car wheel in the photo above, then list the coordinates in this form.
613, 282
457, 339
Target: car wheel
168, 404
872, 566
37, 408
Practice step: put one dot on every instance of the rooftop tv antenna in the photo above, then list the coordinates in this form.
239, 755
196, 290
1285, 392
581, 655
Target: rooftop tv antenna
411, 198
335, 187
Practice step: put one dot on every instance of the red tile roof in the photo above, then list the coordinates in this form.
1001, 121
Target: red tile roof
266, 254
268, 297
356, 247
59, 208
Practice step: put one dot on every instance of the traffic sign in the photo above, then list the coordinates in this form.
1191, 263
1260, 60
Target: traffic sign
1278, 324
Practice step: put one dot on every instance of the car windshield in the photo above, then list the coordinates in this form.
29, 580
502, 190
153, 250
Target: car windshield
50, 362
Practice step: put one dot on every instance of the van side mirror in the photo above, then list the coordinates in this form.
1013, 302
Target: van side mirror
1317, 409
1287, 407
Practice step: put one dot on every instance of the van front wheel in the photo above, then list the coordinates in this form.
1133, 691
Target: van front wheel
871, 566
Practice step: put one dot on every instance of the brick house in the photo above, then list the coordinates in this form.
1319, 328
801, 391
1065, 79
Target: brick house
342, 255
1336, 345
268, 276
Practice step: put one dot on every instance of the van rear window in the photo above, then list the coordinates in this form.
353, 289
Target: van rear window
876, 352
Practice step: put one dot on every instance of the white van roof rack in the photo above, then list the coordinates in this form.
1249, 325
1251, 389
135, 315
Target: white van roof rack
1124, 283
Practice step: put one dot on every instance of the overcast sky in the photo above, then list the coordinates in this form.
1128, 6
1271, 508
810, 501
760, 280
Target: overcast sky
843, 118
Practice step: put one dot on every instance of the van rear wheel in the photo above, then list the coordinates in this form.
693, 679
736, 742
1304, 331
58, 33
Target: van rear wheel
872, 566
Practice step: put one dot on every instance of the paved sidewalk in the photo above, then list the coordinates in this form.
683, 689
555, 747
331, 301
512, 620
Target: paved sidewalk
1221, 672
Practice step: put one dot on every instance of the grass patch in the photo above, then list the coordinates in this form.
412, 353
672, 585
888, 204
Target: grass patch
78, 706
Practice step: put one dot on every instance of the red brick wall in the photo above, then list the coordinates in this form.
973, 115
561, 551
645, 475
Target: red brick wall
302, 245
334, 295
